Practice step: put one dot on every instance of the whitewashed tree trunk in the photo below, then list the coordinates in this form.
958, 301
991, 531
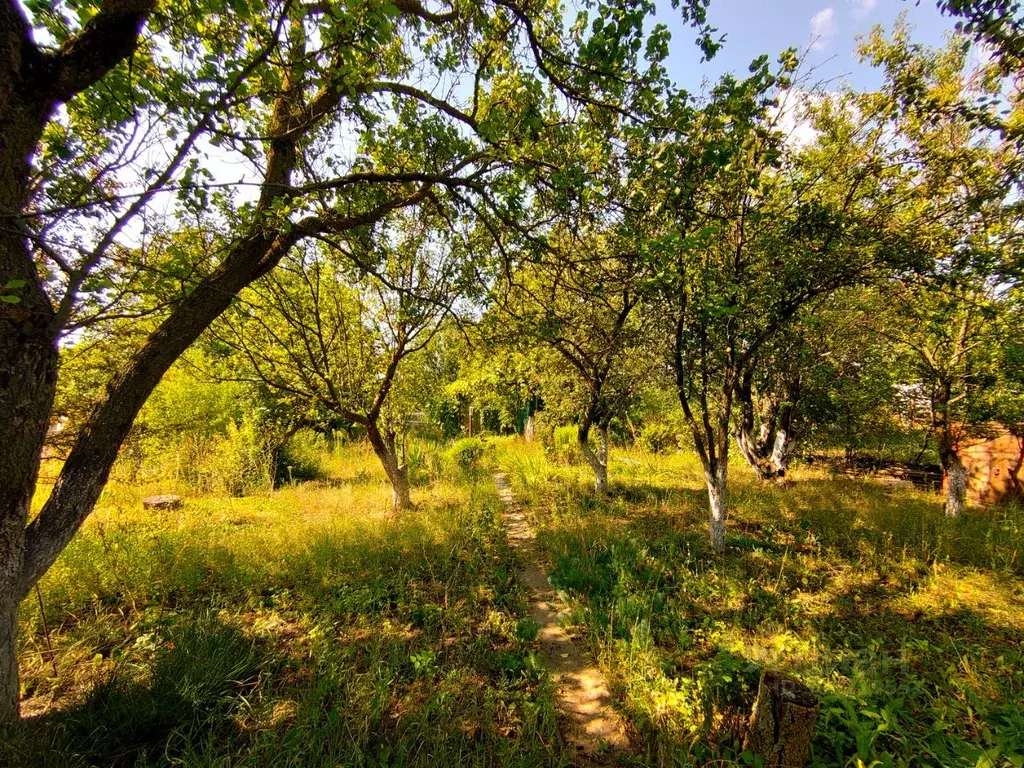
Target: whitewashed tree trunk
400, 499
530, 429
398, 473
956, 486
781, 451
597, 460
718, 498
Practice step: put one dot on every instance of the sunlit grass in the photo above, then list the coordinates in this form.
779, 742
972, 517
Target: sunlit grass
302, 626
906, 624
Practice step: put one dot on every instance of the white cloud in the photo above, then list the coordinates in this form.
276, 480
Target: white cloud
823, 27
791, 117
862, 8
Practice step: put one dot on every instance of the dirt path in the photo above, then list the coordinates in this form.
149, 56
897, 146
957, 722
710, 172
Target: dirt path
592, 727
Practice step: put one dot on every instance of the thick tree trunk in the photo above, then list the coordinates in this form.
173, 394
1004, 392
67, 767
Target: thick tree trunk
717, 482
768, 453
9, 685
782, 450
28, 354
760, 461
597, 460
32, 84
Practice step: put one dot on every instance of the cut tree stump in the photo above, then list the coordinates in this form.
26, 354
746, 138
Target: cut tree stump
166, 501
782, 722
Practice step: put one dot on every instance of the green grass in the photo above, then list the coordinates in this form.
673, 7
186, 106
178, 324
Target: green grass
907, 625
306, 626
303, 628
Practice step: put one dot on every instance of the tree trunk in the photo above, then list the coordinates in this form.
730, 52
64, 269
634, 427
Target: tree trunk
956, 484
781, 452
949, 451
782, 722
397, 473
9, 685
717, 481
597, 460
758, 452
28, 353
32, 85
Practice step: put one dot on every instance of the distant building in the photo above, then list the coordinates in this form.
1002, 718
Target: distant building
995, 467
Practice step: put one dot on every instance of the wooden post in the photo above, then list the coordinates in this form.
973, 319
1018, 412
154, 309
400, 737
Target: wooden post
782, 722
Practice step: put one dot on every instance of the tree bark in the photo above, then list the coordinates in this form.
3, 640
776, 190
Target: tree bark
949, 454
782, 722
397, 473
717, 482
956, 484
33, 83
768, 454
597, 460
9, 685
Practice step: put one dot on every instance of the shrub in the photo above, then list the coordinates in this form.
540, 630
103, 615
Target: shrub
658, 437
467, 453
564, 447
301, 458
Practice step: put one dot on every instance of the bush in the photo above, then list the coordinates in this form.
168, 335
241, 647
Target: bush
565, 447
240, 462
467, 453
658, 437
301, 458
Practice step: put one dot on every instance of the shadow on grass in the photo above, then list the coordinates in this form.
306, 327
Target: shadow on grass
198, 679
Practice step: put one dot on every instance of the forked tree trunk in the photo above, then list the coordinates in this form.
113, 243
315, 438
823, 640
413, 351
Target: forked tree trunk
397, 473
717, 482
769, 452
597, 460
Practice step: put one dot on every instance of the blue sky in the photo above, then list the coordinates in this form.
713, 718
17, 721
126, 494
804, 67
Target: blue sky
753, 27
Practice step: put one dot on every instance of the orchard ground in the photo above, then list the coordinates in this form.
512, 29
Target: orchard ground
309, 627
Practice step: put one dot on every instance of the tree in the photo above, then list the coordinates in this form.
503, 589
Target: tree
759, 229
766, 430
955, 334
962, 200
328, 109
996, 23
339, 340
580, 301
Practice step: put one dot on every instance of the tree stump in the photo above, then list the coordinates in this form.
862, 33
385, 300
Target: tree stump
166, 501
782, 722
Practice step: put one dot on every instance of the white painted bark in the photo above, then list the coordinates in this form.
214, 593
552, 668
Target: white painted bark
956, 486
718, 505
781, 452
596, 460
